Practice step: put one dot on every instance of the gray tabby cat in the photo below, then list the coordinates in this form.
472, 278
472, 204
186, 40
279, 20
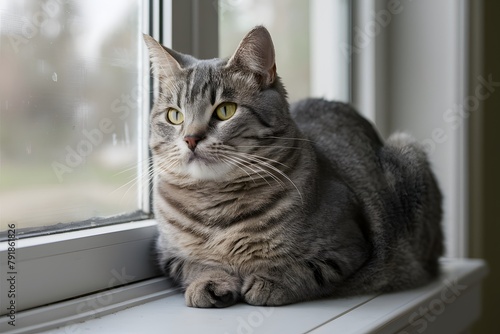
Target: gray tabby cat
272, 205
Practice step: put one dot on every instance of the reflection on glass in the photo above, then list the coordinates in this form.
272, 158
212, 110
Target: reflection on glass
69, 104
288, 23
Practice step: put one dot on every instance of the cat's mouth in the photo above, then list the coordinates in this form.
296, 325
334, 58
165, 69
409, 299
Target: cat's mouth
201, 167
200, 158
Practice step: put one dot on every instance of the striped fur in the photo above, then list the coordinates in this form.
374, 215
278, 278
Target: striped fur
282, 204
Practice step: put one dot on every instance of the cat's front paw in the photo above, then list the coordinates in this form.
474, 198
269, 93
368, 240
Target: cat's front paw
212, 293
262, 292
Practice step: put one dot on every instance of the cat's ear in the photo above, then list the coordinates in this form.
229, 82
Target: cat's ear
256, 54
166, 62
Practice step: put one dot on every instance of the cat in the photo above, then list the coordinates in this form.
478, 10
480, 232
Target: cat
268, 204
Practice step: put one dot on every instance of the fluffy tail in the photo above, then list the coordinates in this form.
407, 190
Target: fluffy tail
407, 167
404, 215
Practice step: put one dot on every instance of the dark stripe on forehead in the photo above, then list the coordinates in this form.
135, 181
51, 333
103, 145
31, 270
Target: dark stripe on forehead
200, 83
178, 93
213, 93
189, 83
205, 88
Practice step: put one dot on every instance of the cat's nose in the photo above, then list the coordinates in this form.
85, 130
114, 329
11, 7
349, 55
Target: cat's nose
192, 141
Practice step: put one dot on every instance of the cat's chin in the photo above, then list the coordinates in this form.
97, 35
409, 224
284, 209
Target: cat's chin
208, 172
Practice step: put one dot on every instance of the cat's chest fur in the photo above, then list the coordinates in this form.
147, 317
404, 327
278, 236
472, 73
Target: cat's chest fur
234, 228
233, 247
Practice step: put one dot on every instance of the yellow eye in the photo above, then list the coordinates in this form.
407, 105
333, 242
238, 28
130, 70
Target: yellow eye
225, 110
174, 116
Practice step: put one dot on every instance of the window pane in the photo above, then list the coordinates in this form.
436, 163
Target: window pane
288, 23
70, 103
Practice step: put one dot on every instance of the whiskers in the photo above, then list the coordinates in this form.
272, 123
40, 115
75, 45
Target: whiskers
257, 169
285, 138
152, 170
260, 167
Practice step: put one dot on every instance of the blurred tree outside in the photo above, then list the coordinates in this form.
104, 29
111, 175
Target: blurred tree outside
64, 66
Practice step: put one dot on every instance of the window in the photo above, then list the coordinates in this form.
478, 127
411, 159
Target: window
72, 91
74, 100
306, 35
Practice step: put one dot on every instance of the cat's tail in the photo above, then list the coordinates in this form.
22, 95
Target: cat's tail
406, 232
409, 173
415, 199
402, 145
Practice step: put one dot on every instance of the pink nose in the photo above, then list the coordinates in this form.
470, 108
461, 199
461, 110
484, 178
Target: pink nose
192, 141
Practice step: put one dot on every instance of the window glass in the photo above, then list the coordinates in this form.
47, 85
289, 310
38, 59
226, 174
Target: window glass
70, 105
288, 23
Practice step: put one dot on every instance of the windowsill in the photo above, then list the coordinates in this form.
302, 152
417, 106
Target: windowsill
448, 305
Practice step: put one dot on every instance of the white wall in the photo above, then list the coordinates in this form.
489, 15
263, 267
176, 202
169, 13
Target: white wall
409, 75
425, 85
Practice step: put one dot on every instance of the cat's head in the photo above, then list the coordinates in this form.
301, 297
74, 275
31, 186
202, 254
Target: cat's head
214, 118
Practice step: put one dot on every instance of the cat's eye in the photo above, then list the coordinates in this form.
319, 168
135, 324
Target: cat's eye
225, 111
174, 116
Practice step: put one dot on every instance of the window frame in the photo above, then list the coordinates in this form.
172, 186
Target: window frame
144, 209
60, 266
194, 30
331, 20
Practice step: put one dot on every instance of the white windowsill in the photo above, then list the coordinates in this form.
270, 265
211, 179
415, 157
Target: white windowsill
151, 307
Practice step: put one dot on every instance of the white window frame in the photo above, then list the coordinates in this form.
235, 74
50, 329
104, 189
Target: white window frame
61, 266
330, 64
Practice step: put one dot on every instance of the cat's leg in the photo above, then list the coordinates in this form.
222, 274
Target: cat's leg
213, 288
291, 283
206, 286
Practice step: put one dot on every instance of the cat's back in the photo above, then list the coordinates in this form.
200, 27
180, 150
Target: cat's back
336, 129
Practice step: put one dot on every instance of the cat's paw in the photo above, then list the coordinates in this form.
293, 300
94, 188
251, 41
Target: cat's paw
212, 293
262, 292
